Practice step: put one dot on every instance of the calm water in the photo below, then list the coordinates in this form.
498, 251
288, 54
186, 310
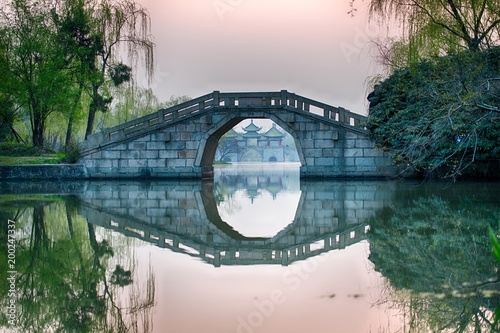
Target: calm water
257, 250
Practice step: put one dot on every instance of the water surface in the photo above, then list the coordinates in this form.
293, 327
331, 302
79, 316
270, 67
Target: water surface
257, 250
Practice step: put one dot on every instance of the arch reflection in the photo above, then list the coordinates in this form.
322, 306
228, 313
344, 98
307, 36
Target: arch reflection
184, 218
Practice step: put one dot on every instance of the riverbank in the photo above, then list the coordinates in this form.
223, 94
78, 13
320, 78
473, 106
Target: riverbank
43, 172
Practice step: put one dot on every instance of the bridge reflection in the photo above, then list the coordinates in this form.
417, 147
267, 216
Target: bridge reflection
183, 217
270, 177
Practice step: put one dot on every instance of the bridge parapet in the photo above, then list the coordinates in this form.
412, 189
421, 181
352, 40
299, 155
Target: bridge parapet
214, 101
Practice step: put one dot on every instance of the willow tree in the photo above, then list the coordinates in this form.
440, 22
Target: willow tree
38, 82
9, 114
79, 45
121, 27
438, 27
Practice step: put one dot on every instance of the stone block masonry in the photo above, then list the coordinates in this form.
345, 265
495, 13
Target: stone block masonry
325, 151
151, 155
43, 172
185, 146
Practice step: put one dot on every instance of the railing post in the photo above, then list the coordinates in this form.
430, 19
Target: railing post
284, 98
342, 115
106, 135
160, 116
216, 97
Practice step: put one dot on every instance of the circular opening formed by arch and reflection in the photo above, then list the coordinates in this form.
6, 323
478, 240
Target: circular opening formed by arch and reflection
257, 178
257, 199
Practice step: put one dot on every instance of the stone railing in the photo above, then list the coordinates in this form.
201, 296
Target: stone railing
250, 251
216, 100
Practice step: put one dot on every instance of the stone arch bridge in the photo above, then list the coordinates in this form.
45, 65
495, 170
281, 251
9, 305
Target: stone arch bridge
181, 141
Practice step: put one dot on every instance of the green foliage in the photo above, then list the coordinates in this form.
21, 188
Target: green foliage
496, 253
174, 100
436, 251
65, 280
432, 28
496, 244
17, 150
121, 277
432, 232
12, 153
131, 102
120, 73
33, 65
72, 153
60, 58
8, 117
440, 117
9, 114
116, 23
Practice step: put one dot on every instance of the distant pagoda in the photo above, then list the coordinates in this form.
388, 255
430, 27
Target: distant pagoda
251, 144
252, 137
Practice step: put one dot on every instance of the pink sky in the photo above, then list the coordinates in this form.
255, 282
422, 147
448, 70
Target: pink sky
313, 48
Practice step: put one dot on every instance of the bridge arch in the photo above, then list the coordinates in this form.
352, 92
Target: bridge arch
181, 141
210, 140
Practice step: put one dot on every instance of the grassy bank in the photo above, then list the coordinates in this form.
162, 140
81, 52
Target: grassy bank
16, 154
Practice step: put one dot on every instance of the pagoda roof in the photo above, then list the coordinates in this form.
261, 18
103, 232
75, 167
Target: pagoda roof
273, 133
251, 135
252, 127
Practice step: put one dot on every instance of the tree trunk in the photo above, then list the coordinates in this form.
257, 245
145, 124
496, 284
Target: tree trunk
40, 237
69, 130
38, 131
94, 106
90, 122
71, 120
18, 137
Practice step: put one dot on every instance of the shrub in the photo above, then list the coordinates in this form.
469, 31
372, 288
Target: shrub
72, 153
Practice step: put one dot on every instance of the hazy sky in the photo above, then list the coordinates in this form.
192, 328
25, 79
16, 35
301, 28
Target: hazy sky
313, 48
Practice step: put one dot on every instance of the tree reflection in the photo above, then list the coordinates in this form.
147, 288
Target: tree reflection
436, 254
68, 279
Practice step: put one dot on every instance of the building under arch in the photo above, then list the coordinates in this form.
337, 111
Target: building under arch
255, 145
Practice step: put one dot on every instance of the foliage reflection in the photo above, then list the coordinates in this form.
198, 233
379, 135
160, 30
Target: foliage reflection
68, 279
436, 253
